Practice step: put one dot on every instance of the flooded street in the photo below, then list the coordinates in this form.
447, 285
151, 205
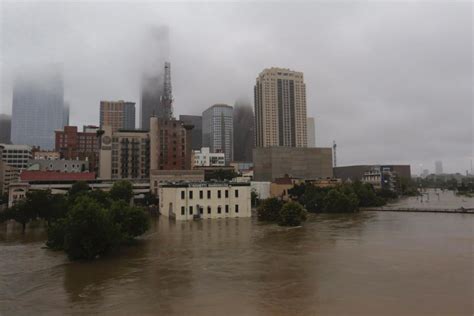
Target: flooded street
372, 263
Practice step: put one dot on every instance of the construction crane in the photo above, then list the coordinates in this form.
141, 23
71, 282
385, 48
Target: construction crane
334, 146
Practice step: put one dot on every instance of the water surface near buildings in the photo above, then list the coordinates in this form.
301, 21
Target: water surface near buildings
371, 263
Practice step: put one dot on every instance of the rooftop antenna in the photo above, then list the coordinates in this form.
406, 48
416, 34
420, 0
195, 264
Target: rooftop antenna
334, 146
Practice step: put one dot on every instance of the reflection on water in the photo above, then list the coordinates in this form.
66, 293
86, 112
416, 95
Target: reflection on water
368, 263
435, 199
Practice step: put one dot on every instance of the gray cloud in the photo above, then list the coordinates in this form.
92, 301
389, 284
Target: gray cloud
390, 82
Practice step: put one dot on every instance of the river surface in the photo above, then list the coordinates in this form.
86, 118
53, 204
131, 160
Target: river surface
371, 263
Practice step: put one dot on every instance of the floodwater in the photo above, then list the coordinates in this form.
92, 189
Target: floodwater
371, 263
434, 199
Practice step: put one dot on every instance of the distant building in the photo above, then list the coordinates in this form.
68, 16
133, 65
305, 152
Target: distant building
244, 138
438, 167
16, 156
207, 200
356, 172
74, 145
381, 177
60, 165
311, 132
261, 188
196, 132
204, 158
218, 130
90, 129
425, 173
46, 155
38, 107
5, 128
280, 109
305, 163
118, 114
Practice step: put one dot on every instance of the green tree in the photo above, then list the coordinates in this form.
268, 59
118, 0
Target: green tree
56, 232
366, 195
292, 214
89, 230
221, 175
132, 221
269, 210
102, 197
21, 213
340, 202
78, 187
122, 190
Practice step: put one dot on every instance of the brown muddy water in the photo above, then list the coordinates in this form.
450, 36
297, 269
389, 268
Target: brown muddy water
370, 263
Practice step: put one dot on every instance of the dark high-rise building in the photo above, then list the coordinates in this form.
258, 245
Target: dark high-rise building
38, 107
196, 132
5, 128
243, 131
217, 130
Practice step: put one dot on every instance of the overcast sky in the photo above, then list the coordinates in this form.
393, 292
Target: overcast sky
391, 82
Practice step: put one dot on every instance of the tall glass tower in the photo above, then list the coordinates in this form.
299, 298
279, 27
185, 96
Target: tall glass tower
218, 130
38, 107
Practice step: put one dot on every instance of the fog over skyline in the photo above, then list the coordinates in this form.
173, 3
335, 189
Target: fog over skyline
391, 82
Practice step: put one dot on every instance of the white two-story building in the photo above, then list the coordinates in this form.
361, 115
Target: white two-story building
189, 200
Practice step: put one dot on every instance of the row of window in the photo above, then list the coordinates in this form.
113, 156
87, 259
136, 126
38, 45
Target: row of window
209, 194
209, 210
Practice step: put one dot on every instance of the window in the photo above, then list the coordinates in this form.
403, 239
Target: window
183, 210
236, 208
208, 194
226, 193
201, 210
201, 194
218, 194
236, 193
227, 208
208, 210
183, 194
218, 210
190, 195
190, 210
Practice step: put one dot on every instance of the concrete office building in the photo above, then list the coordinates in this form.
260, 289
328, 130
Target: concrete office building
204, 158
196, 133
46, 155
74, 145
218, 130
311, 132
124, 154
207, 200
8, 175
5, 128
357, 172
170, 144
118, 114
16, 156
305, 163
280, 109
38, 107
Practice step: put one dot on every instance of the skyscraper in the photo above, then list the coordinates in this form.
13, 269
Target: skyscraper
117, 114
438, 167
311, 132
243, 120
217, 130
38, 107
5, 128
196, 132
280, 109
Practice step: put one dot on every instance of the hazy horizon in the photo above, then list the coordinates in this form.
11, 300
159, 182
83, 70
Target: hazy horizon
390, 82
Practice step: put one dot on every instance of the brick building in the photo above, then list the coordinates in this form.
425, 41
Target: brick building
73, 145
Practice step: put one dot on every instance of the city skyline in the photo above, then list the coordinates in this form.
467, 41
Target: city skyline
402, 91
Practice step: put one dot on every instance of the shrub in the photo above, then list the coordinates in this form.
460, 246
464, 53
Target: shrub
269, 210
132, 221
292, 214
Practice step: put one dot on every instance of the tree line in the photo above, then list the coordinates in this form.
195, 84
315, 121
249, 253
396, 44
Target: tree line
83, 223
